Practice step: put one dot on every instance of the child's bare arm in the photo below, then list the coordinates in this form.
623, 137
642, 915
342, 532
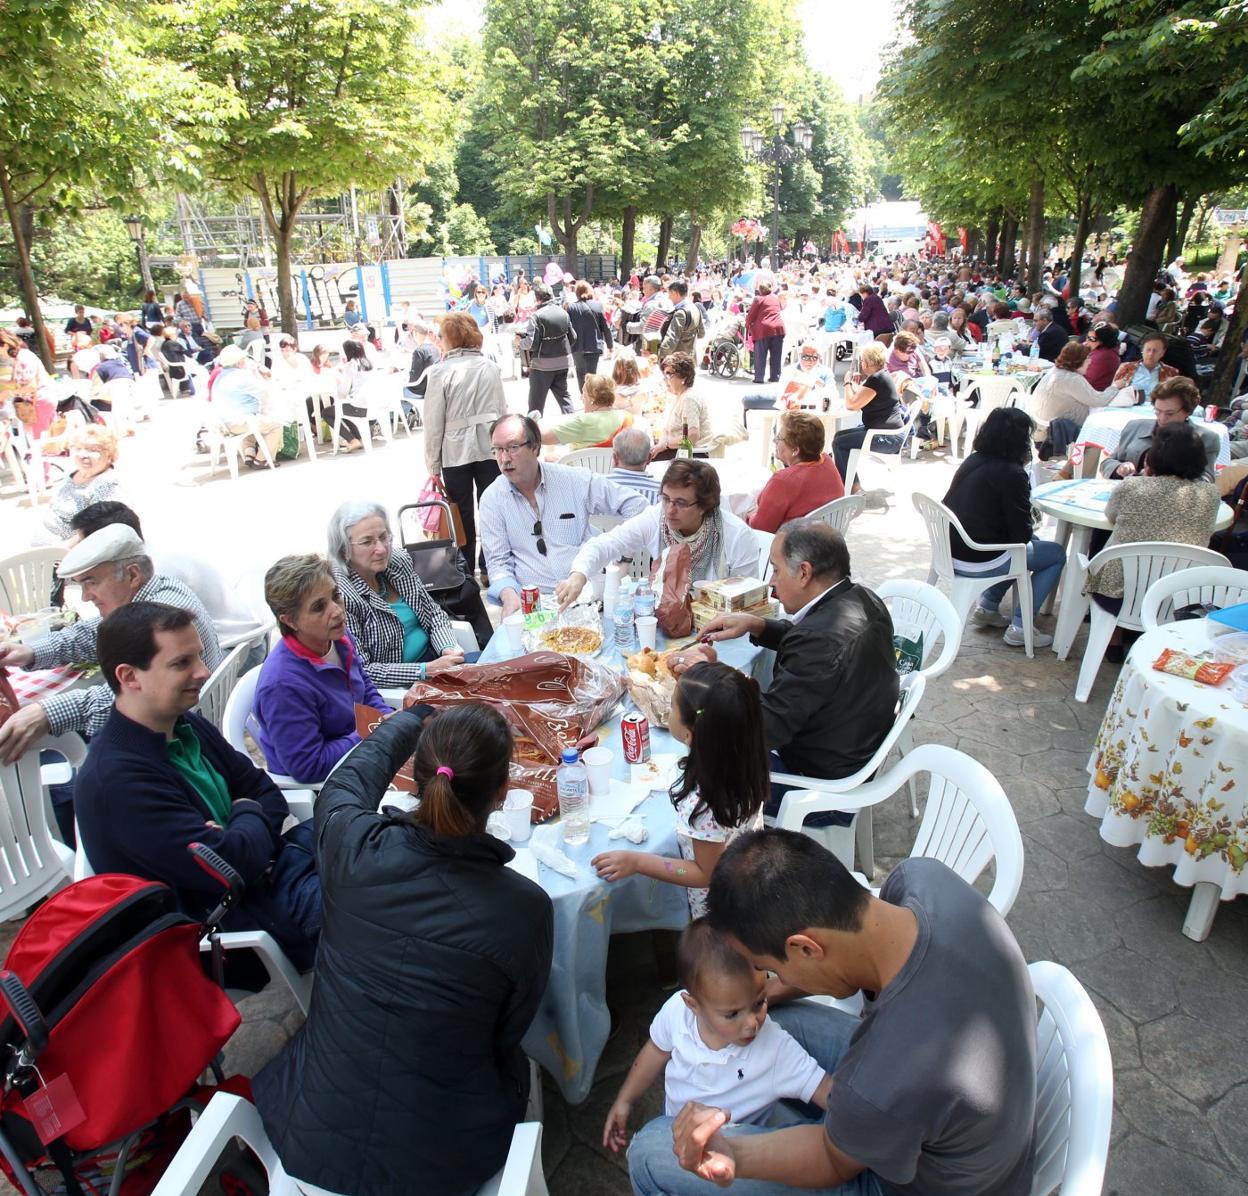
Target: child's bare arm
646, 1068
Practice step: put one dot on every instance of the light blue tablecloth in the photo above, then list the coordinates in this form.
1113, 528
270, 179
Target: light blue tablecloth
570, 1030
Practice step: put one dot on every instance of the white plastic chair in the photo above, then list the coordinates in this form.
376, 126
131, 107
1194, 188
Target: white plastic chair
997, 391
891, 461
27, 578
262, 944
917, 608
1215, 584
851, 795
240, 718
964, 591
840, 512
380, 399
596, 460
32, 863
1143, 564
228, 1117
218, 687
764, 540
230, 444
1074, 1087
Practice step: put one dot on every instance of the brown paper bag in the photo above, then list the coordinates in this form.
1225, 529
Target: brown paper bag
675, 608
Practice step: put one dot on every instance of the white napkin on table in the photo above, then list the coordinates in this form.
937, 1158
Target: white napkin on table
554, 859
633, 829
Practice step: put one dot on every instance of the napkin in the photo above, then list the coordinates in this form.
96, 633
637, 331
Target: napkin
554, 859
633, 830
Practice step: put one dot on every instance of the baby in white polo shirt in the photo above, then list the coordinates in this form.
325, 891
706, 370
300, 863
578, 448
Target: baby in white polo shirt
714, 1043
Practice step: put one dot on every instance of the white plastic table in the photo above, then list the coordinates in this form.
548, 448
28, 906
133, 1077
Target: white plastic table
1080, 506
1169, 772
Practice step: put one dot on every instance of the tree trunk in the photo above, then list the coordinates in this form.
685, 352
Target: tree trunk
665, 242
1207, 204
1179, 239
1035, 235
1009, 236
1156, 221
695, 244
1224, 372
1230, 254
1084, 222
991, 235
285, 278
628, 240
25, 275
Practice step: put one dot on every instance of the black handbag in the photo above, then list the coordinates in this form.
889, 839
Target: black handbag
438, 562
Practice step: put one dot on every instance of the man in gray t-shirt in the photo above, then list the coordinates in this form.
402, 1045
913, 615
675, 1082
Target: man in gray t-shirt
933, 1088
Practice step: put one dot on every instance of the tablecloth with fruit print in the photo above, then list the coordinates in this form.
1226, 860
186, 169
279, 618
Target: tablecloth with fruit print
1169, 769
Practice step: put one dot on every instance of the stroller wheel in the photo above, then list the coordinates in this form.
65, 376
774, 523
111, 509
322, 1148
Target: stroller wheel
842, 351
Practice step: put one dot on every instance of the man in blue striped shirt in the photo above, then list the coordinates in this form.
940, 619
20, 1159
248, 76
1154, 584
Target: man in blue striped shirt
535, 516
630, 454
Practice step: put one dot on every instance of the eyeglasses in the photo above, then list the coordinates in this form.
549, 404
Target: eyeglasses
508, 450
537, 531
810, 356
679, 504
371, 542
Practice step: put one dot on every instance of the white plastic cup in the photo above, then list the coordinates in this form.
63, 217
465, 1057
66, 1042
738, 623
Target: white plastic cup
518, 810
647, 630
610, 587
514, 623
597, 761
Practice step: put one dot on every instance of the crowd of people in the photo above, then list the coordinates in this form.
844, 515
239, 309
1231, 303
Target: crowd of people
430, 956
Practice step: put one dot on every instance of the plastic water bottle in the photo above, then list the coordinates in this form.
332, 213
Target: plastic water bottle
624, 629
572, 784
643, 600
1034, 354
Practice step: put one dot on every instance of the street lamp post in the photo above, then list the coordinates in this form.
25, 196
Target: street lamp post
776, 154
134, 226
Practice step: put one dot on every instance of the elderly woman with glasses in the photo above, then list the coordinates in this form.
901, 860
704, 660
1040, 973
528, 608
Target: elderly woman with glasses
402, 634
686, 412
804, 384
688, 512
808, 480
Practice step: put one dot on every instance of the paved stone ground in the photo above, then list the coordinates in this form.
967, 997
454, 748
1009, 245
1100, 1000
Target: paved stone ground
1173, 1009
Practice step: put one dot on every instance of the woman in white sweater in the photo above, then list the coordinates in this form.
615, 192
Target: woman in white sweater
1064, 393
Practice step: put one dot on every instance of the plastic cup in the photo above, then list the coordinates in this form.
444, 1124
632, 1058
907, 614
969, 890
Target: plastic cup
514, 625
518, 810
647, 630
597, 761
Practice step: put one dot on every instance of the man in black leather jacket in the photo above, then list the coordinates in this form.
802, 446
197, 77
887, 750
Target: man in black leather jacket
833, 695
550, 342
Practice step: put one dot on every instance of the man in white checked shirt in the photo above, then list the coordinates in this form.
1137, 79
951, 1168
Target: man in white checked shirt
113, 568
535, 517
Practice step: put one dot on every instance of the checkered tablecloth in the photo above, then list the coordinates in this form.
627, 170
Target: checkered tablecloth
1104, 426
42, 683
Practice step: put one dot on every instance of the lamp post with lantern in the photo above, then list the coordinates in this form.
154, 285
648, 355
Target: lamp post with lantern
134, 226
776, 153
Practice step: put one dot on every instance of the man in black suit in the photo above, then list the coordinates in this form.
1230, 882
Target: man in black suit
833, 696
1050, 336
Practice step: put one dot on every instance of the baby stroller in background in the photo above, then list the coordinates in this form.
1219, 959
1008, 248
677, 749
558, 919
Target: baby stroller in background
110, 1021
725, 352
439, 563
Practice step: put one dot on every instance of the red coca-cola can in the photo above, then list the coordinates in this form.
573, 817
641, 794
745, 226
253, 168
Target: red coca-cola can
530, 599
635, 730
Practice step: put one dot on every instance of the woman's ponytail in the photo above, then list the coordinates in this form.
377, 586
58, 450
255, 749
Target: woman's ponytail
461, 766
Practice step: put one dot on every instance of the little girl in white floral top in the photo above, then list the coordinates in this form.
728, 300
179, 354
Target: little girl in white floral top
717, 711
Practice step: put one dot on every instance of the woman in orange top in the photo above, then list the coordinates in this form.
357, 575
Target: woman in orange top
808, 480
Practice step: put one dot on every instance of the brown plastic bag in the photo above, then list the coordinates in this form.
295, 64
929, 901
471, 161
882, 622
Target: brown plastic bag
675, 609
551, 701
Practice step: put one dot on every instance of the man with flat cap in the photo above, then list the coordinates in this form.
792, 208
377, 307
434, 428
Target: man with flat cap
113, 568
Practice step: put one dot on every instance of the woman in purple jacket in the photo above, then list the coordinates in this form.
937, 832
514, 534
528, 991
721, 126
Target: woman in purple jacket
874, 315
311, 682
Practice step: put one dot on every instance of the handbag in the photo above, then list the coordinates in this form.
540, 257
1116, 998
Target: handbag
434, 516
675, 606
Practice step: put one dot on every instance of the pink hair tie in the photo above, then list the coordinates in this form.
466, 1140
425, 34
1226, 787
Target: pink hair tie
449, 773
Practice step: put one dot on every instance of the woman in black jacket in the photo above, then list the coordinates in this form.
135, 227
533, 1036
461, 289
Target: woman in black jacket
408, 1074
593, 332
991, 496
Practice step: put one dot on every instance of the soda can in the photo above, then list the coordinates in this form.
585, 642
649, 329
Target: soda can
635, 731
530, 596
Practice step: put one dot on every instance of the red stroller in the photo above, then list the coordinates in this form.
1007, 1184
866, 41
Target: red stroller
110, 1021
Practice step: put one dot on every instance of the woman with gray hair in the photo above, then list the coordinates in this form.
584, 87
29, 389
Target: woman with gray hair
402, 634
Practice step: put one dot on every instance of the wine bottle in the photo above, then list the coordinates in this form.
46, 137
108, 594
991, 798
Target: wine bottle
686, 445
